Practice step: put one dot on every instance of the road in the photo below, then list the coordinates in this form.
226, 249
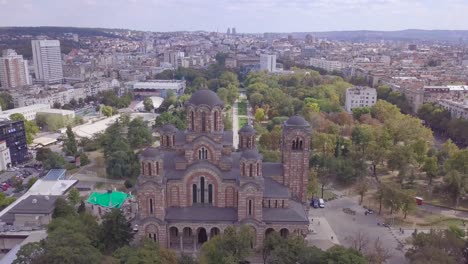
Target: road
341, 226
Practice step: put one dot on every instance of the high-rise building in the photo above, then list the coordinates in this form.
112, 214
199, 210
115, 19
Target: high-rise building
229, 31
13, 133
268, 62
233, 31
13, 70
47, 61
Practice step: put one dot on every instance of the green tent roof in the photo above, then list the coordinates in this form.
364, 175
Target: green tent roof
108, 199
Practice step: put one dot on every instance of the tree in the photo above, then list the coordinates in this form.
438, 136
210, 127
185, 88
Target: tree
115, 230
339, 254
259, 115
54, 161
122, 164
362, 187
148, 104
456, 185
408, 204
148, 253
270, 243
29, 252
63, 209
30, 127
70, 144
5, 201
31, 182
107, 111
74, 196
139, 134
362, 136
232, 246
359, 111
378, 254
359, 241
84, 160
431, 168
42, 154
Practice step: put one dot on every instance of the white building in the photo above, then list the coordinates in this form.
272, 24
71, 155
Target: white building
29, 112
359, 96
47, 61
268, 62
5, 159
158, 88
13, 70
326, 64
456, 109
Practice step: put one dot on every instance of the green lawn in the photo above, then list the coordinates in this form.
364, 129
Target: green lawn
242, 122
242, 108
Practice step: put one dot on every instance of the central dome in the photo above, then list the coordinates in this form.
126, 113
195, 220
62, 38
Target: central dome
205, 97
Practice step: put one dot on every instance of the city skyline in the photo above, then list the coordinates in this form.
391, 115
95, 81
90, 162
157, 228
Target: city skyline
255, 16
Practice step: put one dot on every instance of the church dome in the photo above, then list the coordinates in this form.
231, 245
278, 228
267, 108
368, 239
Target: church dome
251, 154
205, 97
296, 121
150, 152
247, 129
168, 128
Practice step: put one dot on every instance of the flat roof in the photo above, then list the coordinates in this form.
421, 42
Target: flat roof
55, 174
110, 199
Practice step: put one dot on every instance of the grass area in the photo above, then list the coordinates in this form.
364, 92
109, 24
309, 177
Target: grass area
242, 108
242, 121
327, 194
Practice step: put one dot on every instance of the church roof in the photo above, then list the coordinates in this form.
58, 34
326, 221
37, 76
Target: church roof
296, 121
295, 213
274, 189
204, 214
251, 154
205, 97
150, 152
270, 169
169, 128
247, 129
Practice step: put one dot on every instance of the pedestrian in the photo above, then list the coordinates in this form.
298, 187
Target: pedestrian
332, 238
319, 222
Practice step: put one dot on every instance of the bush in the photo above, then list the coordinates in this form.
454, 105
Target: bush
128, 184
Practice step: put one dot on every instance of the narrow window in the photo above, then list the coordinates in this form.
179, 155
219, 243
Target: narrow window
200, 154
202, 190
168, 142
251, 170
269, 203
282, 203
250, 207
205, 152
258, 169
210, 193
192, 120
157, 168
243, 169
216, 120
276, 203
300, 145
151, 206
149, 168
194, 193
173, 139
203, 122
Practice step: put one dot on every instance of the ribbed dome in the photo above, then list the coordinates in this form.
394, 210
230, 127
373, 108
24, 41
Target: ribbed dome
205, 97
251, 154
247, 129
296, 121
168, 128
150, 152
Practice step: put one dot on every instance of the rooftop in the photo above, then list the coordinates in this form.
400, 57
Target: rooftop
108, 199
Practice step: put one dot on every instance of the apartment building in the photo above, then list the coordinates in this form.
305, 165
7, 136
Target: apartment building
360, 96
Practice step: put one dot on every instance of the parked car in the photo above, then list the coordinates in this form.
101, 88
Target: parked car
369, 211
314, 203
321, 203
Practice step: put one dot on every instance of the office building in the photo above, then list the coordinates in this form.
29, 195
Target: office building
13, 70
359, 96
268, 62
13, 133
5, 160
47, 61
158, 88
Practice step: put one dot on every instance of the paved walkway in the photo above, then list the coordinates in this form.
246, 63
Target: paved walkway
321, 234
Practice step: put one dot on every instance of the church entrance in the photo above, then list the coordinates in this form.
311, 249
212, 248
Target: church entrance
202, 236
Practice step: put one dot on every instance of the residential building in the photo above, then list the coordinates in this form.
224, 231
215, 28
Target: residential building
101, 203
5, 160
29, 112
47, 60
194, 185
14, 70
359, 96
456, 109
326, 64
268, 62
13, 133
158, 88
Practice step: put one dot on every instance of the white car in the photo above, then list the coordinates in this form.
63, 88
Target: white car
321, 203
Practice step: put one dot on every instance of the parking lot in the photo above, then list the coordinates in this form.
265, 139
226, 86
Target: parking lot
331, 225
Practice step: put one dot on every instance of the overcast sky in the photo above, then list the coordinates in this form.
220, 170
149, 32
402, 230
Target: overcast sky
245, 15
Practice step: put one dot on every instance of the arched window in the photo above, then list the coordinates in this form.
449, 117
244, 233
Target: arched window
282, 203
243, 169
210, 193
258, 169
269, 203
168, 142
300, 144
192, 120
203, 121
173, 139
202, 190
216, 120
250, 207
149, 168
151, 208
157, 168
203, 153
194, 193
251, 170
276, 203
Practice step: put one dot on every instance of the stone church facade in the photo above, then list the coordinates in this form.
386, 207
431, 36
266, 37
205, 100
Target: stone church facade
196, 183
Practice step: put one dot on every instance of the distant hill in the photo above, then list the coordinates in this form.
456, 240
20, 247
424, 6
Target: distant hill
401, 35
51, 31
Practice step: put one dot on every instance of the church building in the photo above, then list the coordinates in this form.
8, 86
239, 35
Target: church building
196, 183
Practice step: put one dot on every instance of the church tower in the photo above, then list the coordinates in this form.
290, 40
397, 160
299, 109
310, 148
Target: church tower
295, 156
